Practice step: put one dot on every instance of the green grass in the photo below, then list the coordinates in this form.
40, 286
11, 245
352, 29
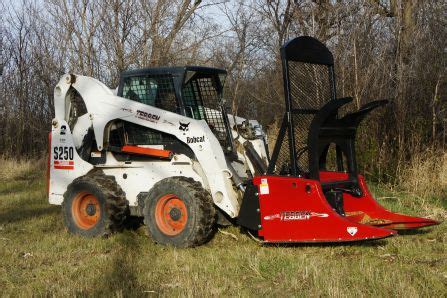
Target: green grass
38, 257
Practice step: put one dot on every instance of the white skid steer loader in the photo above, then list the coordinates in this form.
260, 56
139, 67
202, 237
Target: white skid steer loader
162, 147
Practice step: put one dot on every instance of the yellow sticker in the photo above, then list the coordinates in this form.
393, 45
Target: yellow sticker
264, 187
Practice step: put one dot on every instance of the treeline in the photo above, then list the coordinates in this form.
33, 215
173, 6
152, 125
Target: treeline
383, 49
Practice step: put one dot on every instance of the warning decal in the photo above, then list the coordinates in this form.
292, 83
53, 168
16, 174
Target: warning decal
64, 165
264, 187
352, 230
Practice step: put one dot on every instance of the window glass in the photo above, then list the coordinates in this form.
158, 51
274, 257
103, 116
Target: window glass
193, 105
154, 90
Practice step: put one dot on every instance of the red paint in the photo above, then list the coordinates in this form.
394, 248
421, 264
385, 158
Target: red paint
288, 194
64, 165
63, 162
49, 163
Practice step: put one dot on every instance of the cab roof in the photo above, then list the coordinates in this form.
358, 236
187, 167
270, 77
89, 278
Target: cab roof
172, 70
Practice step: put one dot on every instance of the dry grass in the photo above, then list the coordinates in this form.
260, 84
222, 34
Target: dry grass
39, 258
425, 175
13, 169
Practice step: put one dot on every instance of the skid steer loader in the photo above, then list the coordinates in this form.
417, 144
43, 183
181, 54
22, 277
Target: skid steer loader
163, 147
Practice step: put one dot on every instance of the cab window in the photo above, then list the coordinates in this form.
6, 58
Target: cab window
193, 105
154, 90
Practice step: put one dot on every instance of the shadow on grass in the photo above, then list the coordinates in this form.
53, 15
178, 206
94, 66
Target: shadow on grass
15, 187
21, 213
421, 231
120, 278
358, 243
364, 243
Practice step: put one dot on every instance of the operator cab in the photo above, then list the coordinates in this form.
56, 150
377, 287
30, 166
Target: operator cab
191, 91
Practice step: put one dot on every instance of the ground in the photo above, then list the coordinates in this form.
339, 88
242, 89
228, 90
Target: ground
38, 257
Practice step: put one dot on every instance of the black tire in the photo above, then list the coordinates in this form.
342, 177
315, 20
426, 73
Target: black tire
201, 215
110, 205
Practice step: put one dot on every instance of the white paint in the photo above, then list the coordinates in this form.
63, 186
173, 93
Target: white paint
103, 107
352, 230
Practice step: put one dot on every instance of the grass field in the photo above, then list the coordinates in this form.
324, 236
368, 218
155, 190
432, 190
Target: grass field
38, 257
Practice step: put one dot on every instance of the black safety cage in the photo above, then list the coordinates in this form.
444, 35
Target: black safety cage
191, 91
311, 123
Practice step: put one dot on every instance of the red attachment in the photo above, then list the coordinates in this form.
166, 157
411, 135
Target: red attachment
366, 210
147, 151
295, 210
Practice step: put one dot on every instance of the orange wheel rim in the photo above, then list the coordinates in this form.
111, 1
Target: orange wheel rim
86, 210
171, 215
